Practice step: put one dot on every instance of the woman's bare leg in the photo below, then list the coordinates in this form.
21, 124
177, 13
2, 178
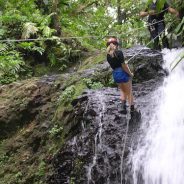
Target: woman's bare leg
122, 95
123, 92
126, 89
130, 94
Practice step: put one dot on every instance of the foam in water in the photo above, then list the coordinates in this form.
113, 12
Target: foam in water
159, 157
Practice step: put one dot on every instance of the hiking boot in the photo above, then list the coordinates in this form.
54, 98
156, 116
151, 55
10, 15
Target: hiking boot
123, 107
124, 111
132, 108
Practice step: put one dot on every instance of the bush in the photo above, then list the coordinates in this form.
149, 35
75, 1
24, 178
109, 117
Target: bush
67, 94
11, 64
92, 84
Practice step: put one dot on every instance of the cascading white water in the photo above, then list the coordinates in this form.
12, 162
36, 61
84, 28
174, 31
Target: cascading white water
159, 157
98, 146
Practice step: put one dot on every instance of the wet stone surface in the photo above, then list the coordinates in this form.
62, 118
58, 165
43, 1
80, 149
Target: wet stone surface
98, 153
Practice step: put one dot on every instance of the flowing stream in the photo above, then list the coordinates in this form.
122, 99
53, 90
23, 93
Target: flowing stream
159, 156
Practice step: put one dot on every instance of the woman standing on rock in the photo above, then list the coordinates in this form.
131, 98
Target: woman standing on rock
121, 73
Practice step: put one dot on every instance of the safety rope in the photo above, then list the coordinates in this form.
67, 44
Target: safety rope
73, 37
161, 11
124, 145
149, 43
133, 30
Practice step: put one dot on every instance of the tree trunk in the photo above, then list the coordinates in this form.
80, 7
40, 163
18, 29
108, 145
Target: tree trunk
121, 15
55, 19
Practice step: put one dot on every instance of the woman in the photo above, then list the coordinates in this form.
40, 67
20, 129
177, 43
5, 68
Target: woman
121, 73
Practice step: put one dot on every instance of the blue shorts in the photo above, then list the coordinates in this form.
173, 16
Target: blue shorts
120, 76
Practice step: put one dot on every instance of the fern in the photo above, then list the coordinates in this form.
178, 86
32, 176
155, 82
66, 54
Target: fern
29, 29
10, 62
47, 31
3, 48
2, 32
180, 28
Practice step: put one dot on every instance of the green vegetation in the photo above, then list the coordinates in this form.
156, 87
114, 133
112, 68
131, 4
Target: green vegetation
89, 21
70, 34
90, 62
67, 94
55, 130
41, 168
92, 85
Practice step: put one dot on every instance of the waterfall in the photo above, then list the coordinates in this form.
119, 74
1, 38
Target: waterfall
98, 139
159, 155
109, 139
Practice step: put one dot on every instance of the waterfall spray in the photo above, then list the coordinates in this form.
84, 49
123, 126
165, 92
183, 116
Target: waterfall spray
159, 158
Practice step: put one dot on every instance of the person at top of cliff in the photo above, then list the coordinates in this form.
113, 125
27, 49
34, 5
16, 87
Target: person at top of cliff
156, 24
121, 73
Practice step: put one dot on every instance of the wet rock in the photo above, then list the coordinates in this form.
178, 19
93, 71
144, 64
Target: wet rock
21, 102
96, 151
146, 63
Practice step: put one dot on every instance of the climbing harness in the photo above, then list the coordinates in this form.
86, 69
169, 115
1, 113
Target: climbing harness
152, 28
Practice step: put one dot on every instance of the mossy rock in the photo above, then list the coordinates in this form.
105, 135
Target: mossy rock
90, 62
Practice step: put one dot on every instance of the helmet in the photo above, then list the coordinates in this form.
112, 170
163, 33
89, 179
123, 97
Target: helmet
112, 40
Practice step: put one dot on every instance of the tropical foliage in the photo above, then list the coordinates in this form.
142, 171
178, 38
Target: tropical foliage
82, 24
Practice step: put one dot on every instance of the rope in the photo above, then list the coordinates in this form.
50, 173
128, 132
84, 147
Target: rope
43, 39
148, 24
72, 37
148, 43
161, 11
124, 146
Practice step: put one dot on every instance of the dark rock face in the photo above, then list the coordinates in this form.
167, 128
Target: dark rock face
98, 152
21, 102
147, 63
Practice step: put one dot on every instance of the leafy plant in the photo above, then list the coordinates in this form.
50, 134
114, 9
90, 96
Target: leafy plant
92, 85
18, 175
3, 159
11, 64
63, 55
67, 94
29, 29
31, 47
55, 130
72, 180
180, 28
41, 169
